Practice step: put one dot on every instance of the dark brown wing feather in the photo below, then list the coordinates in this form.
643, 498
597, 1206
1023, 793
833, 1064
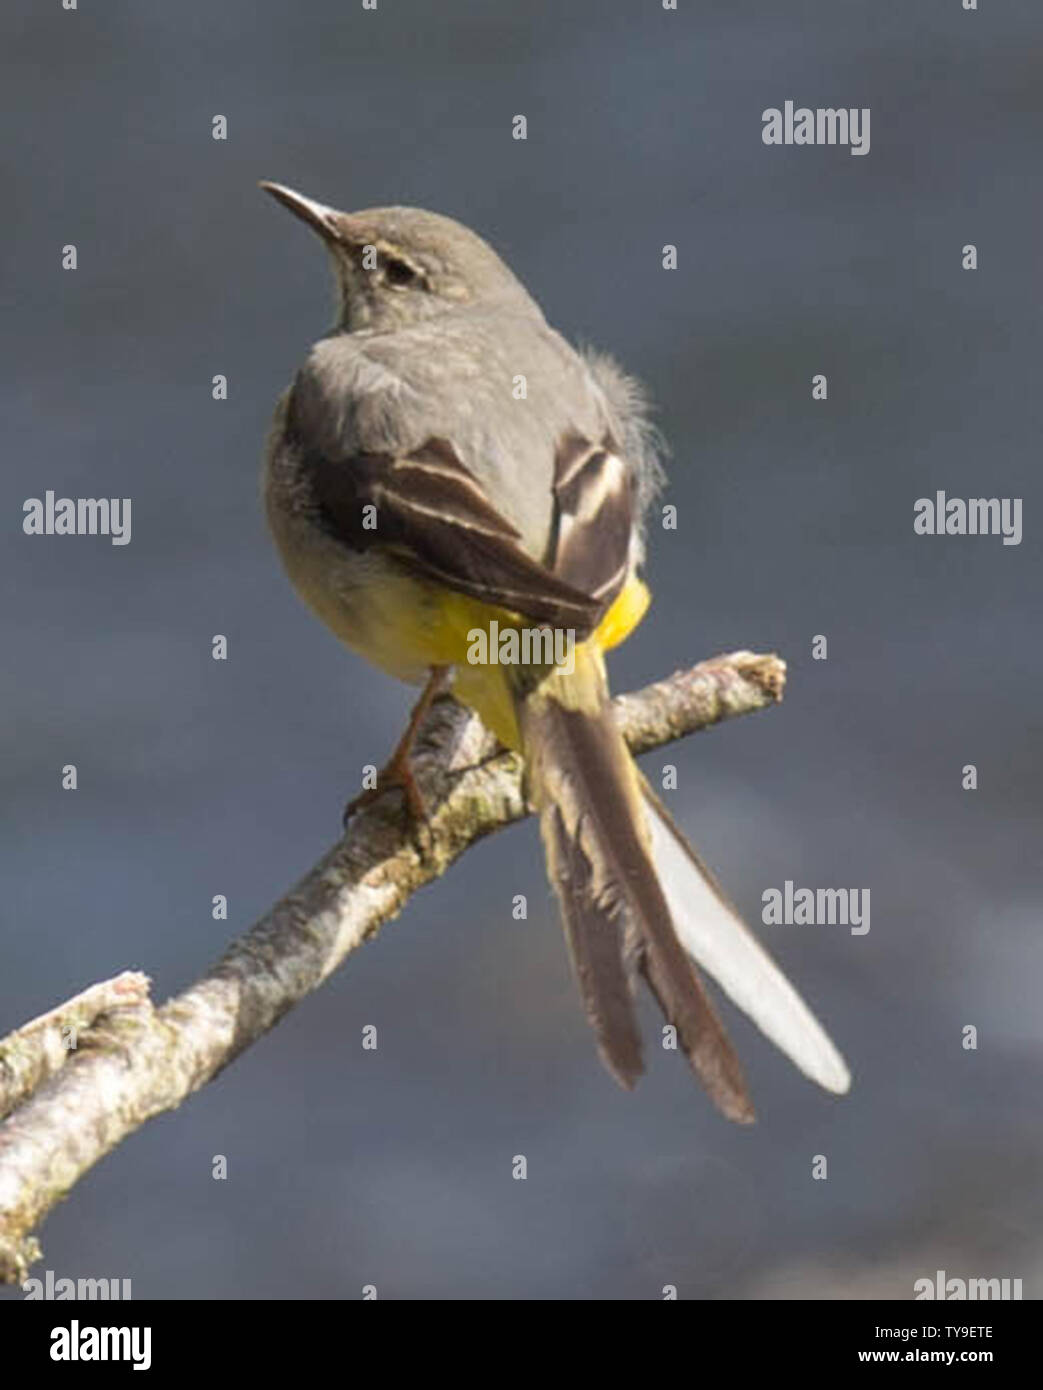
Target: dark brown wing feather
431, 510
593, 492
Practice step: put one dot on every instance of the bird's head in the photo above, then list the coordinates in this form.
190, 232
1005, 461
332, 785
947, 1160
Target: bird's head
398, 266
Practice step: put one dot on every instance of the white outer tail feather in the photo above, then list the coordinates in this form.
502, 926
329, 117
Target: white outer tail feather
717, 939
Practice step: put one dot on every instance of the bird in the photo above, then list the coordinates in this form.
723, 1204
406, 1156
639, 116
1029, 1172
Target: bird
444, 461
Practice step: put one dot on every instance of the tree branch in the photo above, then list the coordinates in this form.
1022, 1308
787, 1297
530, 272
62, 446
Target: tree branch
68, 1108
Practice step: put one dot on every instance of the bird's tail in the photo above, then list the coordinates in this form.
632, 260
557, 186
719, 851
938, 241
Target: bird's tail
635, 899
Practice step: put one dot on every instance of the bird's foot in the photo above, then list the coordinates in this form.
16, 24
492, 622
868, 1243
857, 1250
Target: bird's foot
397, 775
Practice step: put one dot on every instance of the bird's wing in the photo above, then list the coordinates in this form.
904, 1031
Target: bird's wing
594, 516
434, 514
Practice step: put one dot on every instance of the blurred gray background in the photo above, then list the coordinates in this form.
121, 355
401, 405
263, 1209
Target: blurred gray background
197, 777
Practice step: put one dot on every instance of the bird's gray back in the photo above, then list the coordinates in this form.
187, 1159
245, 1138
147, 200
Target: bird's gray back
503, 387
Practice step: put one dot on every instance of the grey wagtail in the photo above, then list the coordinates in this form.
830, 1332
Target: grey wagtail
444, 461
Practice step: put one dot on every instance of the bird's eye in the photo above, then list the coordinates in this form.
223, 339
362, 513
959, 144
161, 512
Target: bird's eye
400, 274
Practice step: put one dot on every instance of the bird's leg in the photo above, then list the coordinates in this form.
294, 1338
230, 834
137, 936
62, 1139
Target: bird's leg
397, 772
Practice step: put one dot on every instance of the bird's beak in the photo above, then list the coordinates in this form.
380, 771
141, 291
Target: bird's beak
326, 221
